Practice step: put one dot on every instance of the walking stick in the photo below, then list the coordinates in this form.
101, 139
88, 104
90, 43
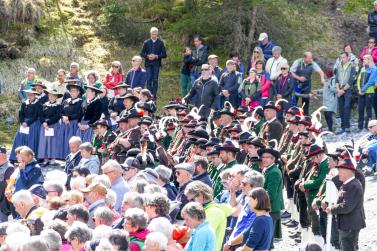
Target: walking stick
331, 198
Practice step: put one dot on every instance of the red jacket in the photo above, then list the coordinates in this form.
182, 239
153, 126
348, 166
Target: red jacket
112, 80
266, 85
373, 54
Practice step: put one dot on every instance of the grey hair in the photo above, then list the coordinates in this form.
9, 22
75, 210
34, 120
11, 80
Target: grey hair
35, 243
240, 169
3, 228
136, 198
137, 217
153, 188
113, 165
74, 64
160, 201
80, 231
163, 225
254, 178
164, 173
139, 186
276, 49
110, 198
52, 238
194, 210
54, 185
86, 146
104, 245
159, 239
138, 58
105, 214
31, 69
93, 73
75, 140
103, 179
23, 196
372, 122
198, 187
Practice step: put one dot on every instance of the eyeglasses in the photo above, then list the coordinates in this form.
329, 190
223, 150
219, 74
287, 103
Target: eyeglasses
256, 51
116, 66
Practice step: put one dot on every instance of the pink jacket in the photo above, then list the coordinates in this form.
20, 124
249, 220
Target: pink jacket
373, 54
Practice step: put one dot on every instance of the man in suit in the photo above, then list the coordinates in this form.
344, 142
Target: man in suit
349, 208
272, 128
153, 51
73, 158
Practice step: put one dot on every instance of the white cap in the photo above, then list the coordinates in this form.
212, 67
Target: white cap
262, 36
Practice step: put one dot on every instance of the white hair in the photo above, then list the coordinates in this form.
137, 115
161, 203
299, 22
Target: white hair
16, 240
102, 232
154, 29
31, 69
110, 198
23, 196
158, 238
17, 227
162, 225
138, 58
52, 238
75, 140
113, 165
77, 183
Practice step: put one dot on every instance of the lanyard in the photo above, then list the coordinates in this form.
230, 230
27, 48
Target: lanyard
282, 84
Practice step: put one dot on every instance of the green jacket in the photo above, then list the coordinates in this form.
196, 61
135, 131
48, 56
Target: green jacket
315, 179
216, 215
217, 184
274, 186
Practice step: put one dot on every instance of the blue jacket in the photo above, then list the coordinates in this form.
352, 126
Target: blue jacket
157, 48
29, 176
136, 78
204, 177
372, 78
202, 238
267, 49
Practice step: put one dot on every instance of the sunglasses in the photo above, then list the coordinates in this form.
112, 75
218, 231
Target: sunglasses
207, 69
256, 51
116, 66
371, 42
284, 68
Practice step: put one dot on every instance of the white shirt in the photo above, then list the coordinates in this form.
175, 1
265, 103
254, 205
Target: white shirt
273, 66
349, 180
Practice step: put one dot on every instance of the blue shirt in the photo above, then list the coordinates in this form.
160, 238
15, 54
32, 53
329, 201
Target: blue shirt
244, 220
260, 233
120, 188
202, 239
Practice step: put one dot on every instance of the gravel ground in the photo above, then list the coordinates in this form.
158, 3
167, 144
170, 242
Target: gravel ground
368, 235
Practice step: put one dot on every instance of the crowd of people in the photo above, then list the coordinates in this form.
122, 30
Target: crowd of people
209, 173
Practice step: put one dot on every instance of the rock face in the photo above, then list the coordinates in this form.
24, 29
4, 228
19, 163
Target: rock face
9, 52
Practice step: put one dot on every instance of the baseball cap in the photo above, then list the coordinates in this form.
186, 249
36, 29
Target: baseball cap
95, 187
150, 175
262, 36
212, 56
38, 190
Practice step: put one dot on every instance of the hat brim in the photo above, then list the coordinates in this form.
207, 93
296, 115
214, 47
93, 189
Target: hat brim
121, 85
273, 152
59, 95
69, 86
228, 149
102, 123
95, 89
30, 92
319, 151
39, 84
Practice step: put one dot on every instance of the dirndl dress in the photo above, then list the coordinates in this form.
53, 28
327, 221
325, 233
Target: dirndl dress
50, 147
31, 140
87, 135
68, 131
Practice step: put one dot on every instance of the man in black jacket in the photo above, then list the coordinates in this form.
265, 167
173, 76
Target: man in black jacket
349, 208
372, 22
153, 51
206, 91
229, 83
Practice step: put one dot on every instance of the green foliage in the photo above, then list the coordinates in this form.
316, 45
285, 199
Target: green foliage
358, 6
